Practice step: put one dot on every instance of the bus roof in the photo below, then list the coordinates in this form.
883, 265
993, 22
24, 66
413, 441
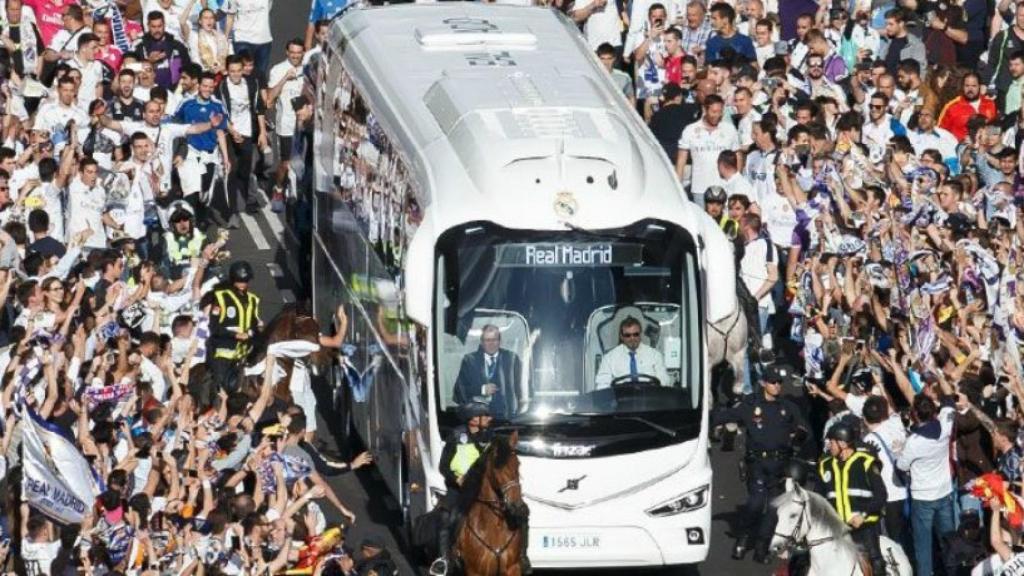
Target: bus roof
506, 116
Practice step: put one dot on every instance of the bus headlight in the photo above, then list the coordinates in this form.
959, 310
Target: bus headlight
688, 502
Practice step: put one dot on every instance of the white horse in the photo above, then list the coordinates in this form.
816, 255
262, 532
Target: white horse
805, 518
727, 343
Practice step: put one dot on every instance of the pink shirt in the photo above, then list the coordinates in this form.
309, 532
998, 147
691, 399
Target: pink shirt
111, 56
48, 16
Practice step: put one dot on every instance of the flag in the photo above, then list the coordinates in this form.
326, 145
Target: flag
57, 479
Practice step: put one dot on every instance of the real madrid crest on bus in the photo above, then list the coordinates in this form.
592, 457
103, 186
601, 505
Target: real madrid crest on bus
565, 204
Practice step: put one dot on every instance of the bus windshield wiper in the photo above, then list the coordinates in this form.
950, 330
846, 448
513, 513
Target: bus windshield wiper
653, 425
596, 234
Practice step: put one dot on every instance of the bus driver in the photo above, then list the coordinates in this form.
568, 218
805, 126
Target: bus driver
631, 358
492, 374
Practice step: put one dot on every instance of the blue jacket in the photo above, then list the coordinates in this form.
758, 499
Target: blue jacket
193, 111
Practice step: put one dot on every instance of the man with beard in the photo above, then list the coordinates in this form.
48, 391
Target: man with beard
705, 140
880, 127
124, 105
928, 136
819, 85
969, 103
917, 94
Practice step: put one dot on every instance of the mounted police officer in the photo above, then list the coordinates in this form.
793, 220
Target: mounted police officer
183, 241
851, 480
234, 321
714, 205
465, 445
774, 426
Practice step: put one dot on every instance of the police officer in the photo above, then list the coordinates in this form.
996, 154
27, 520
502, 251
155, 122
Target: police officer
461, 451
234, 321
714, 205
183, 241
774, 425
851, 480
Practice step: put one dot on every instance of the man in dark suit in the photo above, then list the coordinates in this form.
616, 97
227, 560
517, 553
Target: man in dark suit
492, 373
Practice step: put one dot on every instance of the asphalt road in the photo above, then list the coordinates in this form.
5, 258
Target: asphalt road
267, 241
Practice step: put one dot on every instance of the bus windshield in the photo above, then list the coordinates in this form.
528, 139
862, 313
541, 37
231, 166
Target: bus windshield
563, 327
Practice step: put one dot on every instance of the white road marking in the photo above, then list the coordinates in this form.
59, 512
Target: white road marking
254, 231
275, 221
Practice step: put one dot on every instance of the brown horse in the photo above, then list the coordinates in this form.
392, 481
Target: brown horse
292, 323
490, 541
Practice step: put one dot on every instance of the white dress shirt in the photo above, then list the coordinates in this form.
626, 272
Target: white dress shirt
616, 363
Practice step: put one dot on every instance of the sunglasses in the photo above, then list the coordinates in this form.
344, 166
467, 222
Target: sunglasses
878, 107
630, 334
815, 65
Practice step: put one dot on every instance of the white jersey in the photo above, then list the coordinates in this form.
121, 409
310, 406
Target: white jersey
85, 210
704, 144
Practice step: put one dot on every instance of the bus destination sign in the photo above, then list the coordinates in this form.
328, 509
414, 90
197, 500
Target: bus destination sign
571, 254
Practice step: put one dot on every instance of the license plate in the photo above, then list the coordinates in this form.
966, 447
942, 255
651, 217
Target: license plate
571, 542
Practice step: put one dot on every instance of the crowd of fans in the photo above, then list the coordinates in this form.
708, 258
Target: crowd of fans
133, 136
867, 158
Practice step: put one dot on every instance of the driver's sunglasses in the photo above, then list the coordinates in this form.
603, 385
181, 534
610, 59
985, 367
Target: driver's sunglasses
630, 334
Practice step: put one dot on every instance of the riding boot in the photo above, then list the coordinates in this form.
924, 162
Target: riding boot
444, 538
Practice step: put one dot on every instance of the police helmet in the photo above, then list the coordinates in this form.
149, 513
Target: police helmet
715, 194
473, 409
180, 210
796, 471
775, 373
240, 271
842, 432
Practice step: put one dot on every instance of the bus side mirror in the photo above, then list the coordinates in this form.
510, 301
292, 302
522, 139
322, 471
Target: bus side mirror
418, 273
719, 278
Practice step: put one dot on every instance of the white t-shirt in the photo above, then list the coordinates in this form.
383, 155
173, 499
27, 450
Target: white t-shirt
131, 211
746, 128
779, 217
241, 115
53, 206
927, 459
894, 435
757, 256
53, 116
704, 145
252, 20
92, 76
64, 40
602, 25
172, 15
292, 89
738, 185
85, 210
38, 556
163, 137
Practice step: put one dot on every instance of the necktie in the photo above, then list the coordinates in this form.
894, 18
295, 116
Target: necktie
491, 362
632, 363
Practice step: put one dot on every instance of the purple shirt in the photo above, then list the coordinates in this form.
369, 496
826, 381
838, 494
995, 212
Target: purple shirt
789, 10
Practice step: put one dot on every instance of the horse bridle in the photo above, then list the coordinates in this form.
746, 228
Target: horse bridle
500, 506
792, 539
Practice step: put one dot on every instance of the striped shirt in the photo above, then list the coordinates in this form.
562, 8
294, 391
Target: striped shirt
694, 41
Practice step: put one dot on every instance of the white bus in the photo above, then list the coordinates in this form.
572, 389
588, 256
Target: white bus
477, 171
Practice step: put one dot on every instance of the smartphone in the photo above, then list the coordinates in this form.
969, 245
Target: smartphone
860, 345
